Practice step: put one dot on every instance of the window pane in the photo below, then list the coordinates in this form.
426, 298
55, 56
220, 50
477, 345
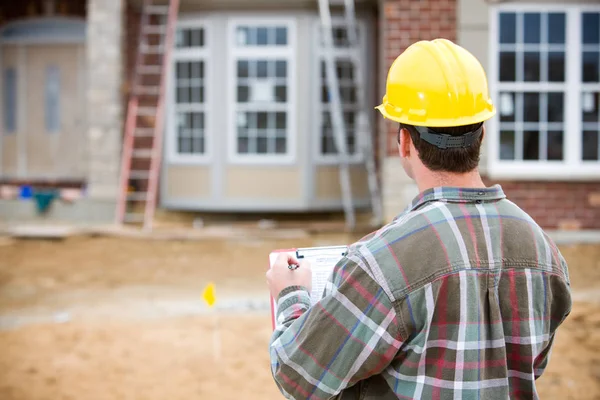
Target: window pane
327, 146
196, 70
261, 120
261, 145
508, 24
201, 121
532, 66
590, 145
555, 107
507, 145
242, 93
242, 69
556, 28
184, 145
556, 66
242, 145
555, 145
340, 37
199, 146
280, 120
531, 107
280, 94
183, 70
589, 107
10, 100
182, 95
261, 69
351, 143
281, 36
196, 95
590, 28
507, 106
324, 94
507, 66
280, 145
190, 37
281, 69
261, 36
532, 27
242, 36
52, 98
348, 95
590, 66
345, 70
531, 145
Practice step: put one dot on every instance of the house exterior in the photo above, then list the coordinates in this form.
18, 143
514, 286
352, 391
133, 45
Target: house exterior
248, 122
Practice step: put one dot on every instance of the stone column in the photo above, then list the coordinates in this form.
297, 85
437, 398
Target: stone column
104, 100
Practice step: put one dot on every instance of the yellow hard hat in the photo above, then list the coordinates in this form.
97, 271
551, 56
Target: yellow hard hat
437, 84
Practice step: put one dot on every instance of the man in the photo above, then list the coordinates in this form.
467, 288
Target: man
459, 297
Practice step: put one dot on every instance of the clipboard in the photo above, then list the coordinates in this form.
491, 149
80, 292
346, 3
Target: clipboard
323, 259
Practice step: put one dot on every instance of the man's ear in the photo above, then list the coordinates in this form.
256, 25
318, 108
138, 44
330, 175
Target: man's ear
404, 144
482, 133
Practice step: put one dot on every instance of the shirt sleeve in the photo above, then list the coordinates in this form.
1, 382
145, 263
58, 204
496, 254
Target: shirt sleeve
541, 361
348, 336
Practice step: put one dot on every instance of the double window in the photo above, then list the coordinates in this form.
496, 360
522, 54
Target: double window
262, 57
257, 90
545, 68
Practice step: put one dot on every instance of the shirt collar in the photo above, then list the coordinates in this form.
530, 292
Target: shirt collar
457, 195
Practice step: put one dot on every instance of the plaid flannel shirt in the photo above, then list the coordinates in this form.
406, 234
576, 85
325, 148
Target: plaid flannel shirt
458, 298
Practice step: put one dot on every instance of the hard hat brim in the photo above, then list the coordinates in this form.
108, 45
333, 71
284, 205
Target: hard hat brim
438, 123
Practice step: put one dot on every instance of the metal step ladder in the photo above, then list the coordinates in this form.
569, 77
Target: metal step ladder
363, 125
144, 125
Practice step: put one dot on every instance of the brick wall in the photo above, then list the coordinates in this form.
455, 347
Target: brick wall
557, 205
407, 21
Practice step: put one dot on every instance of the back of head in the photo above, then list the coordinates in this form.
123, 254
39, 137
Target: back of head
454, 159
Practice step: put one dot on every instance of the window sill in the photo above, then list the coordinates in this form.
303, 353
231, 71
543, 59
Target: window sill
190, 160
529, 171
335, 160
263, 159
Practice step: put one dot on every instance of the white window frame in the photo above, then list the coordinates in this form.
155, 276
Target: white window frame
346, 53
289, 52
191, 54
572, 166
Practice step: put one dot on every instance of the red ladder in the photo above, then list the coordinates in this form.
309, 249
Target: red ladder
144, 125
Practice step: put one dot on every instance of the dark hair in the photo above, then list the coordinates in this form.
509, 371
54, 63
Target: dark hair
457, 160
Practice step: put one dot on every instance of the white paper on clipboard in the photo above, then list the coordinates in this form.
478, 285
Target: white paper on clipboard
322, 261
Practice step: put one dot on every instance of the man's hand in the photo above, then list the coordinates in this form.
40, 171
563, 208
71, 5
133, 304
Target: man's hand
280, 276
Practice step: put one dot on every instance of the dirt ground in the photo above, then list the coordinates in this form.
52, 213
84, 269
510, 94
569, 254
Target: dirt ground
114, 318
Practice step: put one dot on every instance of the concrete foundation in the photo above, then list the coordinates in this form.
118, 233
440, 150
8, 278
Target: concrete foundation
81, 212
